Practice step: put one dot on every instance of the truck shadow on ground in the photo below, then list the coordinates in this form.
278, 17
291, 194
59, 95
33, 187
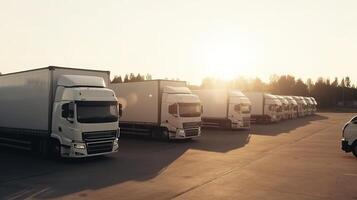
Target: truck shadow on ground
285, 126
24, 175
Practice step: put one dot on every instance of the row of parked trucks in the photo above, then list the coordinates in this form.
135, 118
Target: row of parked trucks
267, 108
71, 112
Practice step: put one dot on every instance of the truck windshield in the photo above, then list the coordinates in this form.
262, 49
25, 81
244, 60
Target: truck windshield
243, 108
190, 109
97, 111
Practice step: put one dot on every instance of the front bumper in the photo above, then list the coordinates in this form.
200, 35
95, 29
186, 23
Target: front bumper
81, 150
345, 146
241, 124
186, 133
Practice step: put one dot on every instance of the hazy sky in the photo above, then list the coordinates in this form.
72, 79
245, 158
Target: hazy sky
186, 39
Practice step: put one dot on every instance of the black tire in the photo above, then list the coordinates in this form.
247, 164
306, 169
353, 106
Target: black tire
354, 149
55, 149
165, 135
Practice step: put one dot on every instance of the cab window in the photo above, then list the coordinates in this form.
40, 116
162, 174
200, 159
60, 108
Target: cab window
173, 109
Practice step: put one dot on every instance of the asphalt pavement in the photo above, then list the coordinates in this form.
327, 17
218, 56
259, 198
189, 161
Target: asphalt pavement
295, 159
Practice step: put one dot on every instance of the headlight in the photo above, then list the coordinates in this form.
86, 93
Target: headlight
118, 133
181, 132
79, 146
115, 143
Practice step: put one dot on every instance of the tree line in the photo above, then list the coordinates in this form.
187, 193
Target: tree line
131, 78
328, 93
135, 78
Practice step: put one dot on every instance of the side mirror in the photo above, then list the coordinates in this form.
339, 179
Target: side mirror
120, 109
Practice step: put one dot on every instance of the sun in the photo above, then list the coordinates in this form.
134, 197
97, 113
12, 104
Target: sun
227, 53
223, 61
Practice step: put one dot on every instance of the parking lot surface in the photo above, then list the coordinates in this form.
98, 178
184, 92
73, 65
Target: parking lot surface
296, 159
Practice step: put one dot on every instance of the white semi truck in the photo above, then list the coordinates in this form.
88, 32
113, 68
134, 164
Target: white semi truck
159, 108
285, 107
293, 107
301, 105
63, 111
266, 108
314, 107
224, 108
310, 105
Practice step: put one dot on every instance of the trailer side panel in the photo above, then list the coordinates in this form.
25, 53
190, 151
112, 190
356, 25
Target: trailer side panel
24, 100
139, 101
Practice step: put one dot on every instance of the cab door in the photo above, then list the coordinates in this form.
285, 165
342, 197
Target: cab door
64, 124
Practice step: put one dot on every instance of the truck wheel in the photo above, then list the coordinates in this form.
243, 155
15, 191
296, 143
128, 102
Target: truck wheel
55, 148
165, 135
354, 149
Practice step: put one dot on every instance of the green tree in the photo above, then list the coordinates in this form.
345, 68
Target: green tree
117, 79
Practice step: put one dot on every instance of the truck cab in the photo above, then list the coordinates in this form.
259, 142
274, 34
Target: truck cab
180, 113
293, 107
301, 105
309, 105
285, 107
239, 110
85, 117
273, 107
349, 137
314, 106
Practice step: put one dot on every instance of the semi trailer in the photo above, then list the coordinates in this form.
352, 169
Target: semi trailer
224, 108
266, 108
160, 109
61, 111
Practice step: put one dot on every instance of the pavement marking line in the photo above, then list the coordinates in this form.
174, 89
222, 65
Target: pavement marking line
350, 175
264, 154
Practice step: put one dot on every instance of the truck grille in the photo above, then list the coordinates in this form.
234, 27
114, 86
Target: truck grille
99, 147
191, 132
99, 141
190, 125
99, 136
246, 121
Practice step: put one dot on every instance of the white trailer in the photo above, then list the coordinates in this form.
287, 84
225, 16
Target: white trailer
64, 111
159, 108
266, 107
224, 108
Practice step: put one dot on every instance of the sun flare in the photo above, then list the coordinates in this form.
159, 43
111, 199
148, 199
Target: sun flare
229, 54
